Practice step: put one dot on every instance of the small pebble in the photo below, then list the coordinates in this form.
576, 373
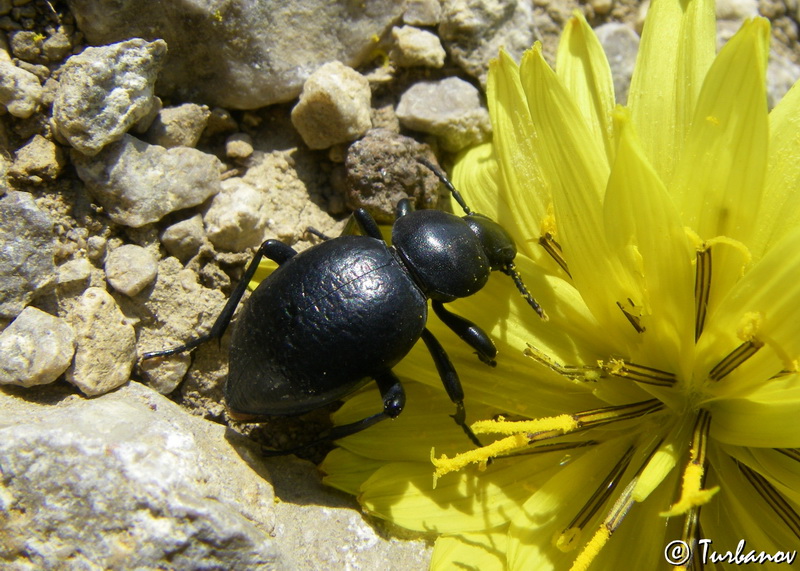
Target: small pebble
422, 12
39, 160
450, 109
130, 269
106, 344
183, 239
75, 271
179, 126
36, 348
334, 106
414, 47
239, 146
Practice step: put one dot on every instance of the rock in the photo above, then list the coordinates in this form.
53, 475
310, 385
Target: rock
243, 58
74, 272
382, 169
422, 12
270, 201
57, 46
736, 10
782, 74
20, 90
37, 348
183, 239
129, 481
26, 45
601, 7
39, 160
138, 184
130, 269
621, 45
450, 109
179, 126
237, 217
27, 245
415, 47
106, 344
185, 310
104, 91
473, 31
334, 106
239, 146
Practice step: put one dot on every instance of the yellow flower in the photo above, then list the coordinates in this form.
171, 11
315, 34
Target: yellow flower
659, 403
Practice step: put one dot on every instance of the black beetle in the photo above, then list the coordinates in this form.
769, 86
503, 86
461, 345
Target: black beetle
350, 308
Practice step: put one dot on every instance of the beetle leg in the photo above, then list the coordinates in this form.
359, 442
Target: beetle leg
272, 249
394, 400
366, 223
470, 333
451, 382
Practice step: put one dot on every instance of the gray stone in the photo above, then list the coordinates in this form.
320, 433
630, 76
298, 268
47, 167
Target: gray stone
57, 46
104, 91
27, 245
382, 169
130, 269
237, 218
37, 161
185, 309
75, 271
106, 344
239, 146
450, 109
247, 54
129, 480
179, 126
20, 90
415, 47
621, 45
36, 348
138, 184
422, 12
736, 10
183, 239
334, 106
473, 31
270, 201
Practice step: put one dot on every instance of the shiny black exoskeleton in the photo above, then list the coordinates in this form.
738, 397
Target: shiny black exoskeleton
347, 310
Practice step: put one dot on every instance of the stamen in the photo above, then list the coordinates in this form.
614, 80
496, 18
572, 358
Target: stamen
606, 529
633, 319
773, 498
793, 453
523, 433
571, 372
735, 358
554, 249
702, 289
692, 491
554, 447
567, 539
639, 373
691, 532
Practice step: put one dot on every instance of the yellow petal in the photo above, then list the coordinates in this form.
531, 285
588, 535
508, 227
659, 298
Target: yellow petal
582, 65
768, 295
346, 471
577, 171
645, 232
677, 48
476, 175
780, 208
768, 419
780, 467
740, 512
485, 551
720, 178
467, 501
523, 188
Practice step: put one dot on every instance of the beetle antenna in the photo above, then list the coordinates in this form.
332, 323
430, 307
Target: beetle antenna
511, 270
446, 181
